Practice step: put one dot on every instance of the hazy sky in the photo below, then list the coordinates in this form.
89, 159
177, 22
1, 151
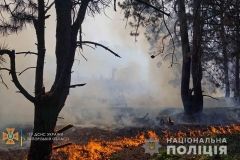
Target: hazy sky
138, 80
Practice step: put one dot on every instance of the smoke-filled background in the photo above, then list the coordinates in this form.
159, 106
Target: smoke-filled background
134, 81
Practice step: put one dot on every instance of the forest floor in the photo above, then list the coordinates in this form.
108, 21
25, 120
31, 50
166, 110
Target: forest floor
127, 143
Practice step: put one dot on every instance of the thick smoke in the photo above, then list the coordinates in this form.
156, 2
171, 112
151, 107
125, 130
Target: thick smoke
118, 93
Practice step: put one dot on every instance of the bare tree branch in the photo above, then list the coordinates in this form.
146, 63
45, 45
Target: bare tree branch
172, 39
77, 85
100, 45
83, 56
49, 7
115, 5
12, 71
3, 82
26, 70
26, 53
80, 17
151, 6
6, 69
210, 97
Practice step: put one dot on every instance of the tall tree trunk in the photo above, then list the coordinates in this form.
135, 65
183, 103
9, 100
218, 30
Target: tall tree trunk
226, 77
39, 26
236, 92
196, 58
186, 94
45, 118
63, 41
225, 56
49, 105
192, 98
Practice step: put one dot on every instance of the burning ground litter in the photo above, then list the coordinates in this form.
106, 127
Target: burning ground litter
104, 148
94, 143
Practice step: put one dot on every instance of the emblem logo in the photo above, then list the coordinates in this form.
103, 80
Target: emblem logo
10, 136
151, 146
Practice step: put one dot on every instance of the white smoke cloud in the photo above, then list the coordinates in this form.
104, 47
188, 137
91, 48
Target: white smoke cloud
137, 81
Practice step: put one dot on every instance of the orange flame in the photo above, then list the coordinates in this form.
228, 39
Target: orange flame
97, 149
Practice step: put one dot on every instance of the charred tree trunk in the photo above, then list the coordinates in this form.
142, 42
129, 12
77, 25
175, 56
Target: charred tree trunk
225, 56
226, 78
44, 121
186, 95
45, 118
39, 26
197, 105
236, 92
48, 105
192, 98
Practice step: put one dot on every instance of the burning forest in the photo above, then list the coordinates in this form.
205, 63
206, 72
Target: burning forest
131, 145
163, 82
